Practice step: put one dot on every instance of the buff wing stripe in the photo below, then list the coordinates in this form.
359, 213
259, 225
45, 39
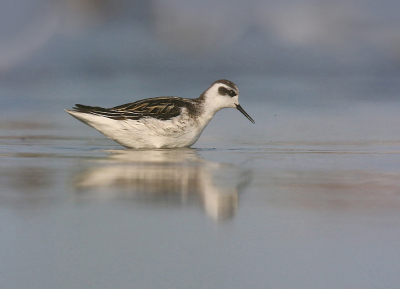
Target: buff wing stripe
163, 108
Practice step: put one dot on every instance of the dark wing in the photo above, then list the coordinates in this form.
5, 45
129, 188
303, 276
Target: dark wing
161, 108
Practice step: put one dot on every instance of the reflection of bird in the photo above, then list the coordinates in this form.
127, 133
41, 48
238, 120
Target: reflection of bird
162, 122
165, 176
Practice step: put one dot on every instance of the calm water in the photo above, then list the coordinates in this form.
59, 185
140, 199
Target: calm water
302, 199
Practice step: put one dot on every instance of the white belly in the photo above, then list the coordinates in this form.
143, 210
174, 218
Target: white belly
146, 133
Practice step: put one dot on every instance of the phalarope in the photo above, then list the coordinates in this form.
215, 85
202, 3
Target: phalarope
161, 122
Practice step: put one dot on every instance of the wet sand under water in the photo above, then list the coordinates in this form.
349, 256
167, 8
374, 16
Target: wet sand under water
81, 212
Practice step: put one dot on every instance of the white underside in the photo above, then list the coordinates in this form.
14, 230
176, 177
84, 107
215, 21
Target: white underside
147, 133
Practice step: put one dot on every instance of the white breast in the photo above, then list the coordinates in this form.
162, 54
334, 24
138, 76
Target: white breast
146, 133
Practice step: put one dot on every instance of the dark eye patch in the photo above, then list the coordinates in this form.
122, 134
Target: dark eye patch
224, 91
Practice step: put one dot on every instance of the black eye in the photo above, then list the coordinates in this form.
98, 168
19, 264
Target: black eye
224, 91
232, 93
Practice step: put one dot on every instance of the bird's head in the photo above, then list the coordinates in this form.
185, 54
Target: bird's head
223, 94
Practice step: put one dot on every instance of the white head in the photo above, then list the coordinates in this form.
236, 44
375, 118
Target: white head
222, 94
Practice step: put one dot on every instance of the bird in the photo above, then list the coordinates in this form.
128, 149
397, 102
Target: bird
161, 122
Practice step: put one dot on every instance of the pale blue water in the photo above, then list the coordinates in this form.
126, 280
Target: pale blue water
240, 209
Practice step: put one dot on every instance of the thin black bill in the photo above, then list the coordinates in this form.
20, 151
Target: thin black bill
245, 113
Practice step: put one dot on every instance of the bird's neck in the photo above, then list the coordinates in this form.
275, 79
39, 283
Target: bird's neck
209, 109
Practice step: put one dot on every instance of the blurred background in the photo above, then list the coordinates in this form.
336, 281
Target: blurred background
308, 197
54, 53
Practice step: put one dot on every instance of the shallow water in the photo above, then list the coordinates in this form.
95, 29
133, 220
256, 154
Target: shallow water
240, 209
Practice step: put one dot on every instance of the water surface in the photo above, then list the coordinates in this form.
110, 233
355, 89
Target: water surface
79, 211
